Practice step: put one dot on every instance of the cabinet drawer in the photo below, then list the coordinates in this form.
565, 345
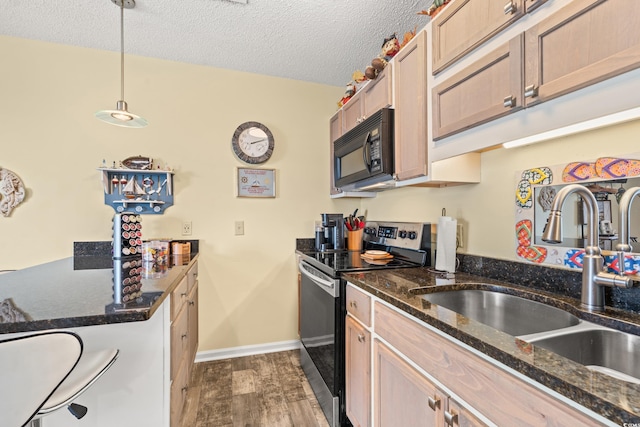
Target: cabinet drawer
503, 398
179, 340
179, 297
488, 89
466, 24
585, 42
358, 304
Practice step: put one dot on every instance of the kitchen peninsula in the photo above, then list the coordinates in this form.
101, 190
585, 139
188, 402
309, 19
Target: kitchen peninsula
77, 293
471, 367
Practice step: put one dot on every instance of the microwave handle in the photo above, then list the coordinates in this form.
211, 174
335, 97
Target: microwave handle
366, 152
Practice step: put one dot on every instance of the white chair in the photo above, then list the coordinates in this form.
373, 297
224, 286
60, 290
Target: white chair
44, 372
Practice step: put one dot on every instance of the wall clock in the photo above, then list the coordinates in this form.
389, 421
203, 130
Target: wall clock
253, 143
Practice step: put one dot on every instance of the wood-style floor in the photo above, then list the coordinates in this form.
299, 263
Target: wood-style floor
266, 390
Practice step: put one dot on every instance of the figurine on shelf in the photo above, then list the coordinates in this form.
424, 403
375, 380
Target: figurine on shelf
390, 47
435, 8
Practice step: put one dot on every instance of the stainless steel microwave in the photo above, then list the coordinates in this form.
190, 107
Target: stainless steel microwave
363, 157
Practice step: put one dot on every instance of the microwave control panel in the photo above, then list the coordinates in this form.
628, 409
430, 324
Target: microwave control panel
376, 155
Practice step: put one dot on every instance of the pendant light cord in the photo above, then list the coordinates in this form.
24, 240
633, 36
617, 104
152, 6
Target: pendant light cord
122, 50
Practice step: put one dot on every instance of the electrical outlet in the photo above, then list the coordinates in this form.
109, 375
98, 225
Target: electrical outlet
186, 228
459, 236
239, 228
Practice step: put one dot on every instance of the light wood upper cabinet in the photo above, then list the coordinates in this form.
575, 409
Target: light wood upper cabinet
489, 88
411, 133
586, 42
466, 24
373, 96
358, 373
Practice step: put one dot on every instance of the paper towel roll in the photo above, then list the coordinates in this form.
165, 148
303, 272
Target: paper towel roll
446, 244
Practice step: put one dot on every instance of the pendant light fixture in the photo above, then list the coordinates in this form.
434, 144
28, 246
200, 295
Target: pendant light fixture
121, 116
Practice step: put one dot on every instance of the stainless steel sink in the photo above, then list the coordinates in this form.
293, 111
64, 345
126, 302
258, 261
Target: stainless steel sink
511, 314
612, 352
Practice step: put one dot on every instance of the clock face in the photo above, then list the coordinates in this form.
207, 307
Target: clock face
253, 143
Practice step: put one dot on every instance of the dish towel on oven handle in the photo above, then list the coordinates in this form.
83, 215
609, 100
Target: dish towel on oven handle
446, 244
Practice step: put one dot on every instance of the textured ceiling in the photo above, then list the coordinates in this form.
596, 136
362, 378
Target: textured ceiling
321, 41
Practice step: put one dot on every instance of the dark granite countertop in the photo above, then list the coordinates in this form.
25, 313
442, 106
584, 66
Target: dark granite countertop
616, 400
78, 291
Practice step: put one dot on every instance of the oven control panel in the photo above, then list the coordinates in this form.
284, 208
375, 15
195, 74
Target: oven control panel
409, 235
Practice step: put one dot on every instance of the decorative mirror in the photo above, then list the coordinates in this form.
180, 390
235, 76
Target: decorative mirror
607, 178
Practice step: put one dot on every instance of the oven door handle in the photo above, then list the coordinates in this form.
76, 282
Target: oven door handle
326, 283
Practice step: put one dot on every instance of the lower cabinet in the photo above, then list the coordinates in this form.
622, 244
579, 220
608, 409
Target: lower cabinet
184, 340
358, 373
404, 397
418, 376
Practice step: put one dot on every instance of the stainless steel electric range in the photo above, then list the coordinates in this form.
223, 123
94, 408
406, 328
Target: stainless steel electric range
323, 310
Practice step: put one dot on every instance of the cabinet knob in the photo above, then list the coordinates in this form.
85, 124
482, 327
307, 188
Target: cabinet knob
531, 91
353, 304
434, 403
192, 303
510, 8
361, 338
184, 336
450, 418
509, 101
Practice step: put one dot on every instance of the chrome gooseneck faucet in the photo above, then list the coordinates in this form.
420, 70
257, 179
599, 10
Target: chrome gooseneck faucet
624, 215
593, 276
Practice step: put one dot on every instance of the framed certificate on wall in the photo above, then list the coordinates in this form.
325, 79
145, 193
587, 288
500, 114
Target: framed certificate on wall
252, 182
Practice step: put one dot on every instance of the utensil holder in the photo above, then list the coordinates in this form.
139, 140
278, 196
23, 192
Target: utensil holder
354, 240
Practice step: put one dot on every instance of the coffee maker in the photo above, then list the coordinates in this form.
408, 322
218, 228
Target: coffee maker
330, 235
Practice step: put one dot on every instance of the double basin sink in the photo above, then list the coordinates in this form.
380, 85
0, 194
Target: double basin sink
598, 348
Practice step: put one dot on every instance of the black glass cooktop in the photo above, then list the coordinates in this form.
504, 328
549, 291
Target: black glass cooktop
349, 261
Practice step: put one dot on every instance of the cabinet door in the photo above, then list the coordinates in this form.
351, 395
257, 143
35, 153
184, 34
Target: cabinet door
466, 24
352, 112
402, 396
192, 331
410, 74
179, 340
377, 94
335, 132
488, 89
358, 373
585, 42
457, 415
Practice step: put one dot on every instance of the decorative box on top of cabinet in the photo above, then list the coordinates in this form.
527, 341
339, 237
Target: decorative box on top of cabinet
141, 191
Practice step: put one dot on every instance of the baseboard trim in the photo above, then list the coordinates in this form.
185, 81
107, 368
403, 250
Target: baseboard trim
247, 350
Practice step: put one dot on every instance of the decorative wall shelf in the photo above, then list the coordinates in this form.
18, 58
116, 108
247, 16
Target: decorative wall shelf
140, 191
